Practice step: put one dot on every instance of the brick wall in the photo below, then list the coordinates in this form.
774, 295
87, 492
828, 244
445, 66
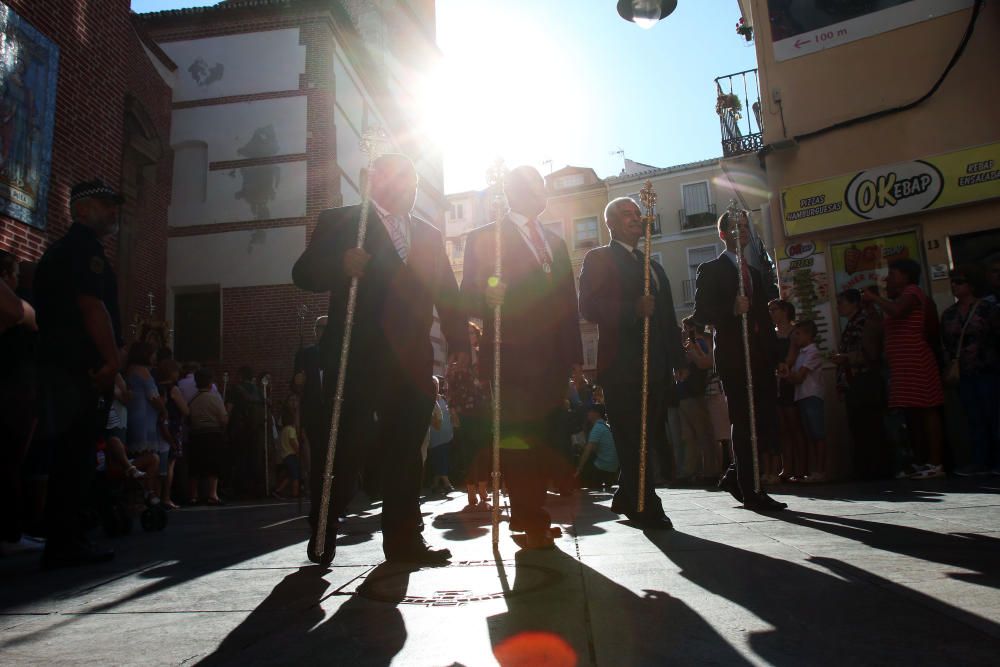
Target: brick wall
261, 327
101, 61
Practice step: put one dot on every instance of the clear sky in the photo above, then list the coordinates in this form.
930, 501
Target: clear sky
571, 82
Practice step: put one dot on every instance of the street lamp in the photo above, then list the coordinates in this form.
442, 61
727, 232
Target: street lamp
645, 13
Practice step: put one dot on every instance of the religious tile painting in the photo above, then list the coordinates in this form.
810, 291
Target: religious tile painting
28, 71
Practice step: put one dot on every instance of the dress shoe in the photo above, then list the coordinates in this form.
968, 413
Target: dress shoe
728, 483
418, 553
535, 541
761, 502
656, 523
82, 553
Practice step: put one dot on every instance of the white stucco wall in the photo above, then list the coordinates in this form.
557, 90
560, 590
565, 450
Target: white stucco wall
235, 259
242, 64
259, 129
248, 193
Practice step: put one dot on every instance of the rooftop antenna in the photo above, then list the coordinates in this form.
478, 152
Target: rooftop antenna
621, 152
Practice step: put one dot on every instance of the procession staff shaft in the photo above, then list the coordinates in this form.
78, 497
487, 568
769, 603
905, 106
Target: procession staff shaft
745, 322
369, 143
648, 198
267, 473
497, 269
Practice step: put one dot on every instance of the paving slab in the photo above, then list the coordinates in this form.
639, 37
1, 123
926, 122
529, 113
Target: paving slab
851, 574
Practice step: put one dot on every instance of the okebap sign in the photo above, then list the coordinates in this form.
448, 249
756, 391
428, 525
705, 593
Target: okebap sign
910, 187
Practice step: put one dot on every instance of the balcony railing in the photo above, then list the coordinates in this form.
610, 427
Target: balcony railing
704, 218
739, 110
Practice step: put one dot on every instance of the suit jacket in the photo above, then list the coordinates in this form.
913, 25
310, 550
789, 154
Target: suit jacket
610, 284
715, 292
541, 330
308, 360
396, 301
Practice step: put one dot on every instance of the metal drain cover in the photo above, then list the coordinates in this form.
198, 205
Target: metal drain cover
456, 585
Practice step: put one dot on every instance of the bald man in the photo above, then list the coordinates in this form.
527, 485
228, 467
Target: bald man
540, 348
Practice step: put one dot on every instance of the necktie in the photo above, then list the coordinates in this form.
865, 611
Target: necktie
747, 280
541, 251
652, 274
394, 225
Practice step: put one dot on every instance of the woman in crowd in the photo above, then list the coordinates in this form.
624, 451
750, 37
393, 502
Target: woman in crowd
206, 451
173, 427
794, 451
145, 407
470, 406
914, 376
861, 384
970, 331
697, 431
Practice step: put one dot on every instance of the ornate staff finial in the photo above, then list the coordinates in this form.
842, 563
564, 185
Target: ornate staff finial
647, 196
495, 176
374, 141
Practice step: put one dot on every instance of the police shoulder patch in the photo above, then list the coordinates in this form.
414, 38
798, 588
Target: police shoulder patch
97, 264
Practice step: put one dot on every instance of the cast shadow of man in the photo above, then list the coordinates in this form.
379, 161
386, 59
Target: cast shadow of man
582, 617
968, 551
824, 611
290, 626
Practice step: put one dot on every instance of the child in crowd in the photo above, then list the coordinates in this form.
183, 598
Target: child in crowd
805, 374
601, 469
288, 453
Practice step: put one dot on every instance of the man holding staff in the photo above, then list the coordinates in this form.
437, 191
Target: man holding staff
718, 303
612, 296
403, 274
540, 341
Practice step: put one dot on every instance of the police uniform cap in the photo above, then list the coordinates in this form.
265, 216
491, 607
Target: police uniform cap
94, 188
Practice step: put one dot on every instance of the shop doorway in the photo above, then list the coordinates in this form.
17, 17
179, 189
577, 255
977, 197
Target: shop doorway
981, 248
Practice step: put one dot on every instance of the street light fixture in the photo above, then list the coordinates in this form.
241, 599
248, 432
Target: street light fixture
645, 13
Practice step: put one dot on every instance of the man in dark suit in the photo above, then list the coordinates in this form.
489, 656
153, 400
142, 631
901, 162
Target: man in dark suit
718, 303
403, 274
308, 362
540, 341
611, 295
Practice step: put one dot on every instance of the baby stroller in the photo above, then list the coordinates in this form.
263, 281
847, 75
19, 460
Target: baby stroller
119, 498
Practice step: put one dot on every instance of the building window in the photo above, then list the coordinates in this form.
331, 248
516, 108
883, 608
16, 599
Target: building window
568, 181
585, 233
556, 227
698, 209
458, 247
696, 257
198, 325
459, 212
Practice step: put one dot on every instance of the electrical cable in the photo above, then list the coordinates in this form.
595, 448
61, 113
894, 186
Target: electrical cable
906, 107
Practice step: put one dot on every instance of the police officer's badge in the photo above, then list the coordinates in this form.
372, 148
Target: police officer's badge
97, 265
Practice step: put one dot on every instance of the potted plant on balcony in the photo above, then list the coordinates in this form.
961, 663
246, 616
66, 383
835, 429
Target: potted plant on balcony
729, 104
743, 28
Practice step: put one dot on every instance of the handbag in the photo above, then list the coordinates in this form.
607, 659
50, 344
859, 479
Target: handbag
953, 374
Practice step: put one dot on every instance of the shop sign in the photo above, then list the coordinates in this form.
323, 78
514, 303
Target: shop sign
961, 177
801, 28
803, 280
864, 263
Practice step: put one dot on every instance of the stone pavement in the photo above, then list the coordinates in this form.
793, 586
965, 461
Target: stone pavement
900, 573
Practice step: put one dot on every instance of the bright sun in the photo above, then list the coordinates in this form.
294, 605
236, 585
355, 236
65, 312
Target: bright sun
503, 89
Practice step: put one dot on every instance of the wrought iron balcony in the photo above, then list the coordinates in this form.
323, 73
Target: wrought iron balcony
697, 219
739, 110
